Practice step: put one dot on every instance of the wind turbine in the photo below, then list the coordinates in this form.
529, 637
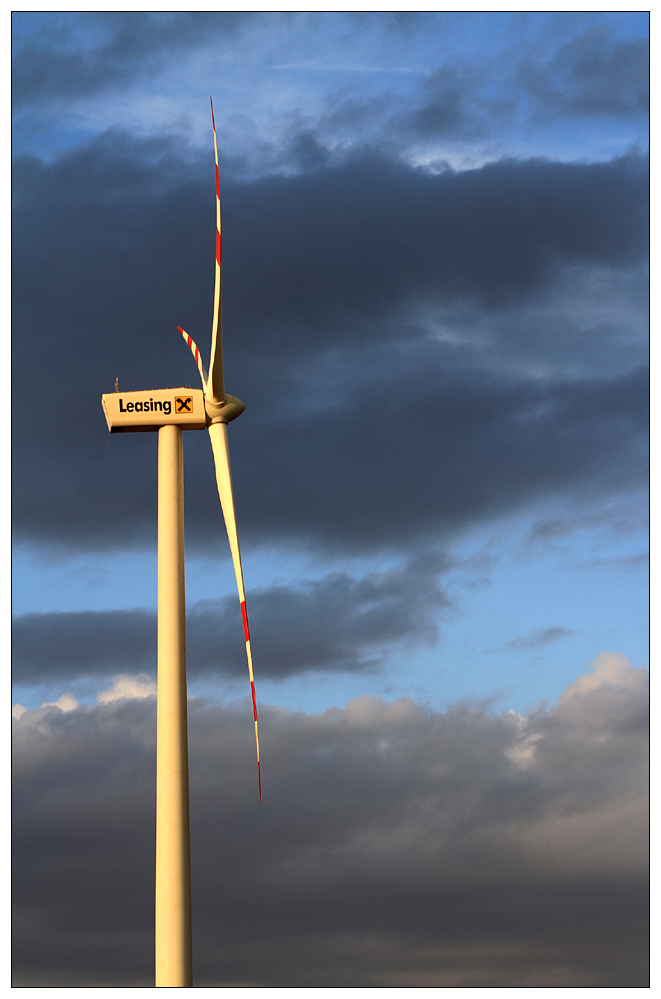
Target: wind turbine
169, 411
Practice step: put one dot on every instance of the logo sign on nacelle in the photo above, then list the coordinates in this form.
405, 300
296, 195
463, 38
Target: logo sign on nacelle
126, 411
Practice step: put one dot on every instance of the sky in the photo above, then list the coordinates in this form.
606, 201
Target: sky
435, 295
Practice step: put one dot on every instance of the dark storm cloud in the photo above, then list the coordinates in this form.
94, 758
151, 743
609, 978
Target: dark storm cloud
59, 62
592, 74
366, 478
367, 237
334, 624
427, 455
111, 250
395, 846
357, 240
81, 642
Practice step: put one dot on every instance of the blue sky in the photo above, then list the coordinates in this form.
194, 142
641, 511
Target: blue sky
344, 83
435, 307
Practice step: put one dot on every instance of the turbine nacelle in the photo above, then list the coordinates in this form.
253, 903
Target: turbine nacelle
225, 411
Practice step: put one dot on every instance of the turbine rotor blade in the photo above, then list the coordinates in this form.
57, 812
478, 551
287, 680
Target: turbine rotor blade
215, 390
196, 354
221, 457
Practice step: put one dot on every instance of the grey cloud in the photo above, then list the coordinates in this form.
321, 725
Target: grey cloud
334, 624
451, 104
465, 450
640, 559
306, 152
493, 236
57, 64
448, 107
616, 518
396, 22
395, 846
46, 646
322, 266
592, 319
592, 74
539, 638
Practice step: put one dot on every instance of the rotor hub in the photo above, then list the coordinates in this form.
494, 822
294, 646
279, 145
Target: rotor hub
225, 411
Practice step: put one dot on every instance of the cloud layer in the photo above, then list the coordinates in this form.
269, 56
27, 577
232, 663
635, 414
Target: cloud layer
334, 624
429, 84
385, 339
452, 848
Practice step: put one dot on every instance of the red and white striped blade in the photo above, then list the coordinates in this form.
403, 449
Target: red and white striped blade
215, 390
221, 457
196, 354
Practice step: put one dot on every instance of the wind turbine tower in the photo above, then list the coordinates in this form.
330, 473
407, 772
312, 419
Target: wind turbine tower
169, 411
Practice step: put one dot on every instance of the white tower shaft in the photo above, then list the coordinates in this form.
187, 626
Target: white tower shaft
174, 965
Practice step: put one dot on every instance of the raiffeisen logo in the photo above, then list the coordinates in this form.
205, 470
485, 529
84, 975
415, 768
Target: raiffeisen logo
135, 411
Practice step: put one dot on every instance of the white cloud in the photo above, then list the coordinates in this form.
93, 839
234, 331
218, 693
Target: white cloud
124, 686
395, 845
609, 670
66, 702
